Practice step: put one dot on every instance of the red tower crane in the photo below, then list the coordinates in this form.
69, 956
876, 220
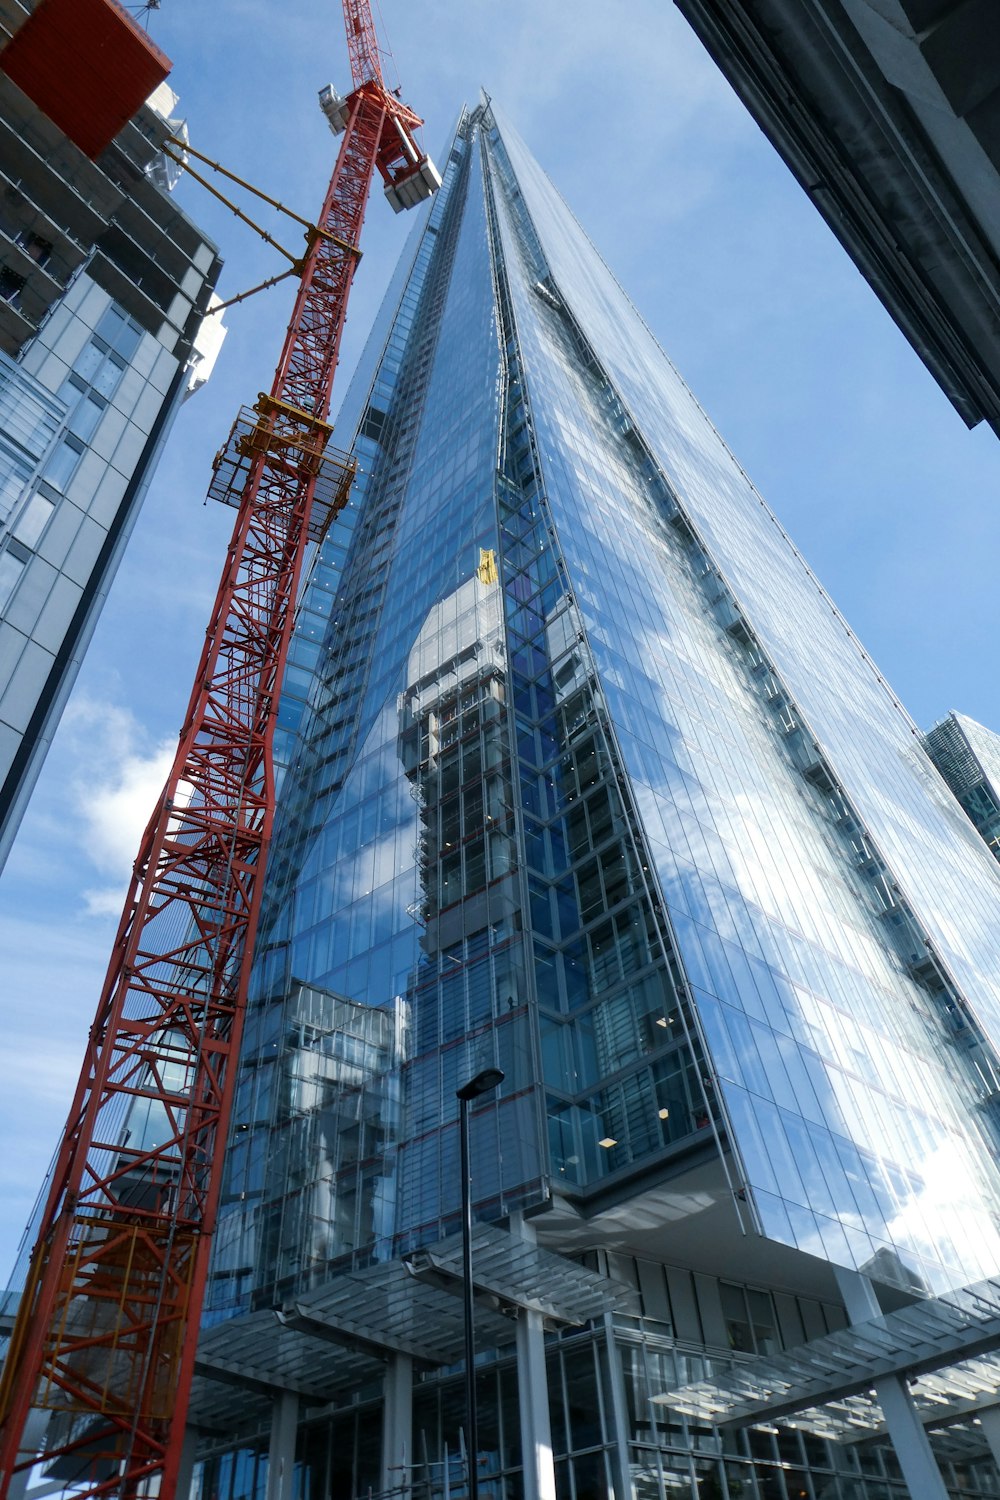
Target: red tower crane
105, 1337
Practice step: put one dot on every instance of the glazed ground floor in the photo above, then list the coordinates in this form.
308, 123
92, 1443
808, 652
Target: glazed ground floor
573, 1415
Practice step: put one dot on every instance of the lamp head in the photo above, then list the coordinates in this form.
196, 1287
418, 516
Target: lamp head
483, 1083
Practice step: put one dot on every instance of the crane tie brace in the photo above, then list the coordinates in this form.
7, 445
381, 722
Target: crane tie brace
107, 1327
297, 263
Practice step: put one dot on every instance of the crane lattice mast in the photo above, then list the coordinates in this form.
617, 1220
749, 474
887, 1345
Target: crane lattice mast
106, 1333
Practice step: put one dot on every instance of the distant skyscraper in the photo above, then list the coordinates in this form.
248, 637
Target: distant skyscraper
968, 756
587, 779
104, 284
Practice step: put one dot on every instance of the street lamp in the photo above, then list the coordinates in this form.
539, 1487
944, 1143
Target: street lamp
483, 1083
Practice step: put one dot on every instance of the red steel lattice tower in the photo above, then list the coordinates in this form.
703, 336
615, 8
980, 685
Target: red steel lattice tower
107, 1329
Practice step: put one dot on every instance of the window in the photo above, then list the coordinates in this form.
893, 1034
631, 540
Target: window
85, 408
85, 418
88, 362
33, 520
62, 464
749, 1318
14, 474
11, 285
96, 367
109, 375
35, 245
11, 568
120, 332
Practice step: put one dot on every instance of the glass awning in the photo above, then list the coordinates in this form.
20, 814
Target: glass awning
339, 1337
946, 1348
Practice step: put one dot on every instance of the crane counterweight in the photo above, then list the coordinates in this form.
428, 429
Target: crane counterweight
408, 191
408, 181
335, 107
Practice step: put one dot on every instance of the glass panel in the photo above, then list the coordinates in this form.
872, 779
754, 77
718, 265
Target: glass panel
582, 1397
33, 520
11, 569
62, 463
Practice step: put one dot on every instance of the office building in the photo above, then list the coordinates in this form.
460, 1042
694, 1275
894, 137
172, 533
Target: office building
104, 284
588, 780
968, 756
888, 113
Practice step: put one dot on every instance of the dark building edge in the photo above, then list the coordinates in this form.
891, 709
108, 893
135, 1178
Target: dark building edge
815, 89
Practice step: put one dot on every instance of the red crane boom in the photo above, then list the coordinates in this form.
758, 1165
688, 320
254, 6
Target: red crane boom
107, 1328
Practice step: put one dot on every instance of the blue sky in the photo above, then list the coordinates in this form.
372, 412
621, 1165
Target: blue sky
891, 499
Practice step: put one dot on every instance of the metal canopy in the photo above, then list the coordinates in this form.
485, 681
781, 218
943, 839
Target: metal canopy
339, 1337
944, 1346
528, 1277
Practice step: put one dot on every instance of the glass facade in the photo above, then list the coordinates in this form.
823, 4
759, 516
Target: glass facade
82, 419
786, 802
586, 779
101, 338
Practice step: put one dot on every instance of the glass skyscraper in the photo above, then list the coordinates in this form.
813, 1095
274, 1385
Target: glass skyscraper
585, 777
968, 756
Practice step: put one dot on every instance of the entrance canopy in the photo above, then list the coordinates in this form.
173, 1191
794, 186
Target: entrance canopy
944, 1347
336, 1339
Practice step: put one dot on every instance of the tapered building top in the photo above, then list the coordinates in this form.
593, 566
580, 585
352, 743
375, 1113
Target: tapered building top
639, 822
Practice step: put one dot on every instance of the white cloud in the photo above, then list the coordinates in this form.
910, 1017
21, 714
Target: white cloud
116, 813
103, 901
118, 777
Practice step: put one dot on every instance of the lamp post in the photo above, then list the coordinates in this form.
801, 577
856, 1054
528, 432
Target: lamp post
483, 1083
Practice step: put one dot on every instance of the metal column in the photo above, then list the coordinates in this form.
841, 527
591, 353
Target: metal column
618, 1416
397, 1426
912, 1445
281, 1453
533, 1404
533, 1391
989, 1418
185, 1469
